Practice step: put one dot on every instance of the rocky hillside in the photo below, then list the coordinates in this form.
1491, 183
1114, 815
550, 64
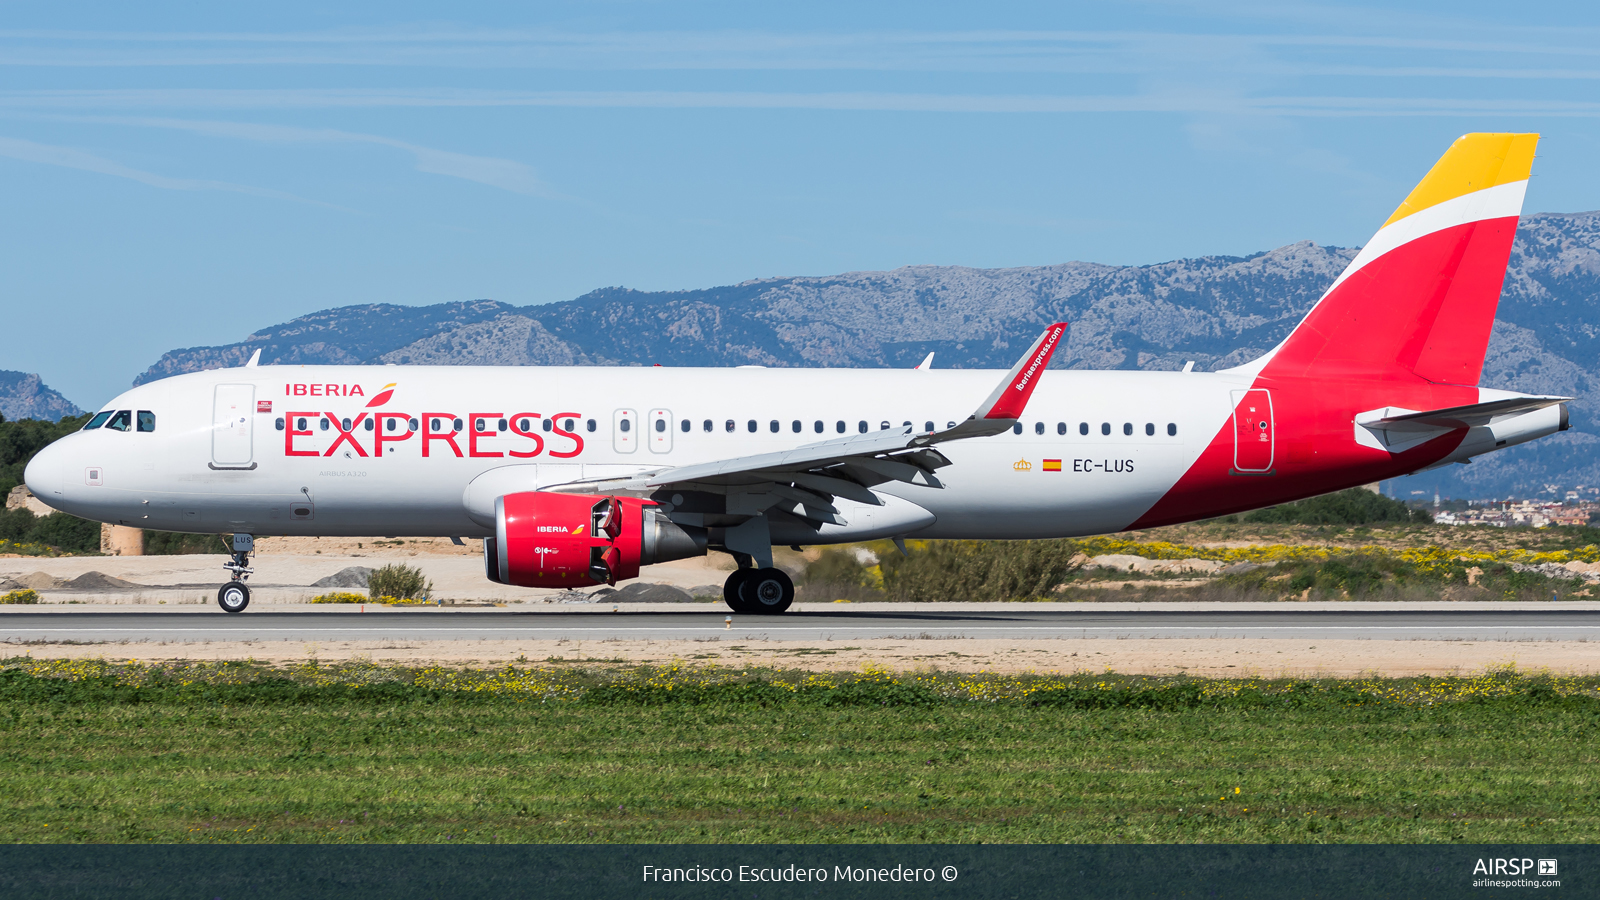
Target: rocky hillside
1217, 311
25, 396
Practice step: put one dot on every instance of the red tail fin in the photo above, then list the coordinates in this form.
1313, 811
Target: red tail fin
1420, 298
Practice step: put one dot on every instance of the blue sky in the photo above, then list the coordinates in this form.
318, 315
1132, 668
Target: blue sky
177, 176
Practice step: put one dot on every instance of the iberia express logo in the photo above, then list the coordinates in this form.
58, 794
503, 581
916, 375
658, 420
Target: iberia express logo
382, 396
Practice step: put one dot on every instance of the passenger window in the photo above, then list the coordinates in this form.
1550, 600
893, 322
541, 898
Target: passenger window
1083, 427
1038, 428
1017, 428
883, 426
684, 426
433, 424
368, 424
455, 424
839, 426
1061, 428
1105, 427
147, 420
861, 426
661, 425
98, 420
706, 426
569, 423
1149, 428
345, 423
1172, 429
927, 426
1127, 428
522, 424
549, 424
322, 423
773, 426
389, 425
795, 426
817, 426
502, 425
300, 424
279, 424
412, 424
728, 426
750, 426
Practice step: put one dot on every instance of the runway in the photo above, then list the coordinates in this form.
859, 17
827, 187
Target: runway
1022, 622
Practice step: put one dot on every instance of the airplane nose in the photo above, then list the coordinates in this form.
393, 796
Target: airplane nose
43, 475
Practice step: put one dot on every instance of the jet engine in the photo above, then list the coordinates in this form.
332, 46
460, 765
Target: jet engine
544, 539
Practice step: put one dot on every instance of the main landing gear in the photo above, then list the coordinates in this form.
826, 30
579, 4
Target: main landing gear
761, 591
233, 597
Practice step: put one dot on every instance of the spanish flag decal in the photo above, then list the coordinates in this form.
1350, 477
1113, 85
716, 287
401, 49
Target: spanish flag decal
1052, 465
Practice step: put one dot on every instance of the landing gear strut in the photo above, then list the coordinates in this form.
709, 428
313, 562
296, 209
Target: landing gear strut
234, 596
761, 591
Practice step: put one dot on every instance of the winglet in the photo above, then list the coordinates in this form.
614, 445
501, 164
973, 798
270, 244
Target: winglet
1010, 398
1004, 407
255, 359
927, 362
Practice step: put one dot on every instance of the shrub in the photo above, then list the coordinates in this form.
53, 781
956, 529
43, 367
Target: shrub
16, 524
398, 582
66, 533
1356, 506
339, 597
979, 570
23, 597
172, 543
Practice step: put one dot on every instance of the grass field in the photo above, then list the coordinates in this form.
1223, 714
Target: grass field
239, 753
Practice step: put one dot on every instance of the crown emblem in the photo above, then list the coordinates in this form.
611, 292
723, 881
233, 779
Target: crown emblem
1022, 465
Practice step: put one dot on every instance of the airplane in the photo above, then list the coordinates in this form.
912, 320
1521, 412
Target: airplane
578, 476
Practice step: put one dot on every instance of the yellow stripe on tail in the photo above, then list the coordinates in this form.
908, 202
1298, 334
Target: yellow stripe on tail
1473, 162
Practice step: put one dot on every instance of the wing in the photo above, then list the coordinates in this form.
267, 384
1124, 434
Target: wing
805, 480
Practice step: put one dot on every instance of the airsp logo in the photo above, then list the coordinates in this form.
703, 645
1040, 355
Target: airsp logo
1512, 866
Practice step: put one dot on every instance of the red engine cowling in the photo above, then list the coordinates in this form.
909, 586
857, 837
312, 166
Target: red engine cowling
546, 539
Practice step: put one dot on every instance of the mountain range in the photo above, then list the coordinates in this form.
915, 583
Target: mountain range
1217, 311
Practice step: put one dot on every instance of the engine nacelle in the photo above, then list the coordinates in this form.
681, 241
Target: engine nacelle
545, 539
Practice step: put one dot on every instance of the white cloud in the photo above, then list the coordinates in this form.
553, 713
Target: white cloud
505, 174
1188, 101
70, 158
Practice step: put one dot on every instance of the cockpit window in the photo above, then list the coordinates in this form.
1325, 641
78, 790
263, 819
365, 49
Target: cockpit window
147, 420
98, 420
122, 420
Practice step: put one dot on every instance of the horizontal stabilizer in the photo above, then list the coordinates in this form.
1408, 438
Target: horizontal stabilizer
1397, 430
1391, 419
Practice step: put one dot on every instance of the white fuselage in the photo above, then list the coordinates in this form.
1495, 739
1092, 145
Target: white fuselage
219, 456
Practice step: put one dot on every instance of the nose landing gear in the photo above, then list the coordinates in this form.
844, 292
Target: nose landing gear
233, 597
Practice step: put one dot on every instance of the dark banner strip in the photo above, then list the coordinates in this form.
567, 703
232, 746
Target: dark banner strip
829, 871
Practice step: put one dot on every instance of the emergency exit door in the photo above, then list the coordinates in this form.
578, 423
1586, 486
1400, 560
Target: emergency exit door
1253, 430
232, 412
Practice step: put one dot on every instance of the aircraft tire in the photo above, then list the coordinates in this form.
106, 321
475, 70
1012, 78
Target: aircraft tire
233, 597
766, 591
732, 590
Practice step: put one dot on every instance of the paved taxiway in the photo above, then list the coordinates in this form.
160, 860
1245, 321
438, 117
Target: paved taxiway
1032, 622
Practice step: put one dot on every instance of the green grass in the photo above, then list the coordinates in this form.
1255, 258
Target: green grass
219, 753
